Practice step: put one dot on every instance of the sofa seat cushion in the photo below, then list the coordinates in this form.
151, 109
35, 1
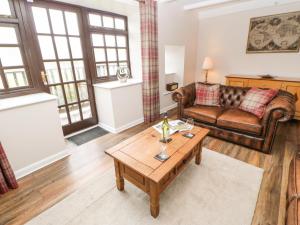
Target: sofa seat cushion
240, 120
208, 114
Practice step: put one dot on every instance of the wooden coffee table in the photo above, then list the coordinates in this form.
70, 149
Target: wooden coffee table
134, 160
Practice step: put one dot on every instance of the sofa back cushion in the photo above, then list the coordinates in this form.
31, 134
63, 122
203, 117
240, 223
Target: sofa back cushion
232, 97
207, 94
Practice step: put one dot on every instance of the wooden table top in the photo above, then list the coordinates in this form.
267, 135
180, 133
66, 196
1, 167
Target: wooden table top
138, 151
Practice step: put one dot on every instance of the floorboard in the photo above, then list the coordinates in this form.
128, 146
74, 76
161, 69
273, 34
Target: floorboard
44, 188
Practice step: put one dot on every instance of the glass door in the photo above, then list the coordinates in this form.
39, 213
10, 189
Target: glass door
58, 31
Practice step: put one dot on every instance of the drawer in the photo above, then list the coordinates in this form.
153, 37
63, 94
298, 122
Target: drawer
265, 84
237, 82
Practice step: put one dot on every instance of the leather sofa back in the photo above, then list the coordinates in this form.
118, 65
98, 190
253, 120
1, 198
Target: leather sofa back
231, 97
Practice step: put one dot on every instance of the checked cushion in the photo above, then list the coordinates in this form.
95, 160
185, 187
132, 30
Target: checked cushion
256, 101
207, 94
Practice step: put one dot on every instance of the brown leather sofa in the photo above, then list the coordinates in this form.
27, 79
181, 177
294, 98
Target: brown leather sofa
293, 193
232, 124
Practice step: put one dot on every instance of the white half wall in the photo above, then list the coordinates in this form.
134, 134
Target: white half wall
119, 105
31, 133
224, 39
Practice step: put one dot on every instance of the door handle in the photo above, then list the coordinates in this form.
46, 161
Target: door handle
44, 77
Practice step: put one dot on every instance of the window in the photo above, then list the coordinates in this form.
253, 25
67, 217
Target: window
109, 40
59, 49
15, 74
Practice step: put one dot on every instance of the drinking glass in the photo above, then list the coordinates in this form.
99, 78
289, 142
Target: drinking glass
163, 151
189, 124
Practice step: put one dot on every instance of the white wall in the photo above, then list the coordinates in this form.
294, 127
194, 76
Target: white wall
130, 10
224, 39
176, 27
31, 133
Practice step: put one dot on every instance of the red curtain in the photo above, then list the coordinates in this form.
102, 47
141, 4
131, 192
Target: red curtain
148, 14
7, 176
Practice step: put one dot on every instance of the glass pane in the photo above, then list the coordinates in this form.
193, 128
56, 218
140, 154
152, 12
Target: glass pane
4, 8
70, 93
79, 70
46, 46
76, 47
111, 54
123, 64
74, 113
62, 47
72, 23
1, 84
57, 90
16, 78
99, 54
41, 20
97, 40
120, 23
86, 110
112, 69
101, 70
63, 116
108, 22
95, 20
8, 35
122, 53
52, 72
110, 41
11, 56
66, 71
57, 21
121, 41
83, 92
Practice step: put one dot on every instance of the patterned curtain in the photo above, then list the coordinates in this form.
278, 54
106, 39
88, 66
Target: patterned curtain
148, 14
7, 176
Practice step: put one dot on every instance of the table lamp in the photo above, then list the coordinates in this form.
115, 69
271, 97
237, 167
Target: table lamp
207, 65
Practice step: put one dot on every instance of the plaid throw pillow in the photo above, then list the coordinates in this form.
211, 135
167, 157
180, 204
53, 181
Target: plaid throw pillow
207, 94
256, 101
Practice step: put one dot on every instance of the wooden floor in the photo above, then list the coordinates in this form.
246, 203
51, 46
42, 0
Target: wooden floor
46, 187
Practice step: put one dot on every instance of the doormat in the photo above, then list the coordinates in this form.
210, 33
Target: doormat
87, 136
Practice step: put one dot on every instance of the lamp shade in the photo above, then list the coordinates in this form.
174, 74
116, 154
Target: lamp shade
207, 64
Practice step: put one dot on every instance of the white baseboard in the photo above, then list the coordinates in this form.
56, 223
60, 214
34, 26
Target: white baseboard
165, 109
121, 128
42, 163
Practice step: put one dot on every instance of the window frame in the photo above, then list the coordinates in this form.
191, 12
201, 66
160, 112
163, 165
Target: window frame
89, 30
18, 21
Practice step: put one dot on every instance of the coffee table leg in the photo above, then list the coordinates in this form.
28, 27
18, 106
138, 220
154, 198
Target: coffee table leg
198, 155
154, 199
119, 177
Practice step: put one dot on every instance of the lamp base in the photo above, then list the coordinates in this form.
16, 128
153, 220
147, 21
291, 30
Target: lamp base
206, 73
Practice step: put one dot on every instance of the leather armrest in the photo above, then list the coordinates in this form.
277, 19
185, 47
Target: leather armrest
185, 95
282, 107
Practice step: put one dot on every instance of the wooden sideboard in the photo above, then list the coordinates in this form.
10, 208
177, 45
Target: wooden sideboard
291, 85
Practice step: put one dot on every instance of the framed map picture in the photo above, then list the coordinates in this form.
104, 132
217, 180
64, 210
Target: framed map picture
275, 33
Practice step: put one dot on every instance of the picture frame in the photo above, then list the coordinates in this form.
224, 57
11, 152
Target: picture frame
279, 33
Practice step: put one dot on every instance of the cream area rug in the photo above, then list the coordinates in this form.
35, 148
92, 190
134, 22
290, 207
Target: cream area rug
221, 191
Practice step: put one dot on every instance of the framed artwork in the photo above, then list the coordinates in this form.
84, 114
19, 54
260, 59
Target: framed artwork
275, 33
